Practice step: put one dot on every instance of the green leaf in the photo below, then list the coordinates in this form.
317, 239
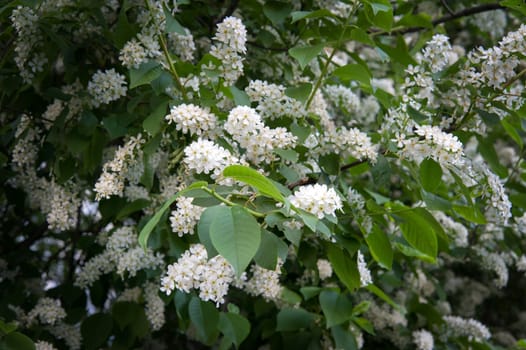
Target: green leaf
343, 338
337, 308
267, 254
150, 225
299, 15
380, 293
470, 213
234, 327
143, 75
430, 175
364, 324
154, 122
16, 341
517, 5
255, 179
277, 11
300, 92
172, 25
133, 207
6, 328
240, 97
412, 252
418, 229
305, 54
361, 308
309, 292
330, 163
344, 267
236, 236
434, 202
291, 319
205, 317
353, 72
203, 226
95, 330
512, 132
380, 247
361, 35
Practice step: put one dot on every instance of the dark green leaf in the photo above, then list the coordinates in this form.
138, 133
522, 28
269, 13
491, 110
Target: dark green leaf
205, 317
289, 319
154, 122
16, 341
343, 338
337, 308
95, 330
353, 72
344, 267
203, 226
299, 15
300, 92
430, 174
146, 72
277, 11
234, 327
380, 247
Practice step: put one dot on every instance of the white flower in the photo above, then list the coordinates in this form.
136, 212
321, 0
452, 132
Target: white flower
205, 157
423, 340
193, 120
365, 274
324, 268
48, 311
317, 199
470, 328
184, 219
106, 87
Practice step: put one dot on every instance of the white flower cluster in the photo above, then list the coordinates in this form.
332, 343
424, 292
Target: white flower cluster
491, 22
231, 37
499, 205
432, 143
259, 141
343, 97
272, 101
496, 263
365, 273
44, 345
63, 211
324, 268
351, 142
183, 45
436, 52
154, 306
264, 282
470, 328
121, 254
205, 157
48, 311
133, 54
111, 181
70, 334
28, 40
107, 86
458, 231
193, 270
317, 199
185, 217
192, 119
423, 340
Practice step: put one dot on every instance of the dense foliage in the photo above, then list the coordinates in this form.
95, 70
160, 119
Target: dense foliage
262, 174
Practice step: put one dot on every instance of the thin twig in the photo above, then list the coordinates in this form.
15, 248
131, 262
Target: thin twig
446, 6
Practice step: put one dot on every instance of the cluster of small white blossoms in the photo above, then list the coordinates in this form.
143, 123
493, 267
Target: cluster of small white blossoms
121, 254
456, 230
272, 101
365, 273
193, 120
107, 86
349, 142
496, 263
185, 217
28, 41
154, 308
423, 340
343, 97
182, 45
491, 22
324, 269
69, 333
111, 181
499, 206
317, 199
432, 143
384, 317
230, 40
473, 329
48, 311
206, 157
259, 141
44, 345
193, 270
63, 211
436, 53
264, 282
138, 50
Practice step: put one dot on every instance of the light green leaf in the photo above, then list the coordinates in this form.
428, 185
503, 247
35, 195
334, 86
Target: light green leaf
470, 213
154, 122
236, 236
309, 292
255, 179
205, 317
337, 308
300, 92
146, 72
380, 247
517, 5
354, 72
380, 293
204, 224
172, 25
240, 97
305, 54
343, 338
234, 327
